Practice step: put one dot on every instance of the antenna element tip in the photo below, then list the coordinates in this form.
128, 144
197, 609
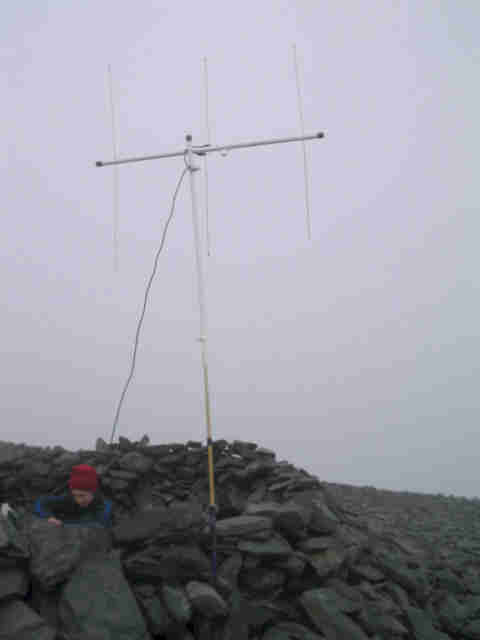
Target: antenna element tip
99, 163
320, 134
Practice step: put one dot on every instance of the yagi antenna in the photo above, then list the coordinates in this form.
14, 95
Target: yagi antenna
190, 154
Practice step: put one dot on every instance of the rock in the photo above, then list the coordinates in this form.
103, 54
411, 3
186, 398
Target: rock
39, 469
123, 475
326, 614
294, 631
19, 621
328, 562
413, 581
294, 565
135, 462
262, 580
374, 619
101, 445
155, 612
206, 600
230, 569
471, 631
242, 526
158, 524
177, 603
14, 582
316, 545
272, 548
364, 572
422, 626
296, 558
124, 444
10, 453
145, 441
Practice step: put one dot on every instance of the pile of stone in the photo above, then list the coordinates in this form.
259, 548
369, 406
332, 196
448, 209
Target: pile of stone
296, 558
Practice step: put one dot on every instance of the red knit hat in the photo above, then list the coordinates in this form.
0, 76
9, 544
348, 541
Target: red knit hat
83, 478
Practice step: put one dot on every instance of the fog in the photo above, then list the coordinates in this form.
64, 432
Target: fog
353, 355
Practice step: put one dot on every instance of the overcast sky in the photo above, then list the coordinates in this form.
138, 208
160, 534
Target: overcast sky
354, 355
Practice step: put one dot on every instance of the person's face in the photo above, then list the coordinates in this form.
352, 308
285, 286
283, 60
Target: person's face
82, 498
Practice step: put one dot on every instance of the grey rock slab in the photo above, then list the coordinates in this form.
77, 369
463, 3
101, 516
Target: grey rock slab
98, 601
446, 579
115, 484
156, 450
39, 469
293, 566
397, 593
331, 600
289, 518
175, 562
10, 452
422, 625
57, 551
154, 611
230, 568
274, 633
19, 622
365, 572
237, 625
375, 620
322, 519
101, 445
314, 545
243, 525
471, 606
297, 631
261, 580
206, 600
414, 581
292, 519
123, 475
328, 562
471, 631
275, 547
136, 462
13, 541
367, 590
14, 582
452, 614
68, 459
269, 509
177, 603
279, 486
158, 523
328, 618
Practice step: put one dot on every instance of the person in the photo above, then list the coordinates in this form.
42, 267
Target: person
82, 505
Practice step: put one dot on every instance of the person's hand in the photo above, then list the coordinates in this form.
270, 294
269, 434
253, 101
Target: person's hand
55, 521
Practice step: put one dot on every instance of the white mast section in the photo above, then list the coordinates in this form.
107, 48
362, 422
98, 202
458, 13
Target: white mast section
207, 123
115, 176
302, 131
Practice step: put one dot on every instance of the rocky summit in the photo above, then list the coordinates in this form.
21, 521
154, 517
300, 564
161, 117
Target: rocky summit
296, 558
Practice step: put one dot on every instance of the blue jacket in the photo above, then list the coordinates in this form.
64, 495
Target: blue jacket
64, 508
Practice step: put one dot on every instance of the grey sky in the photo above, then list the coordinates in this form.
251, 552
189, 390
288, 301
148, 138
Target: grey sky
354, 356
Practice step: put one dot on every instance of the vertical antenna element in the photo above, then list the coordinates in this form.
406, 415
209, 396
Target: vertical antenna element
302, 129
115, 175
207, 122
